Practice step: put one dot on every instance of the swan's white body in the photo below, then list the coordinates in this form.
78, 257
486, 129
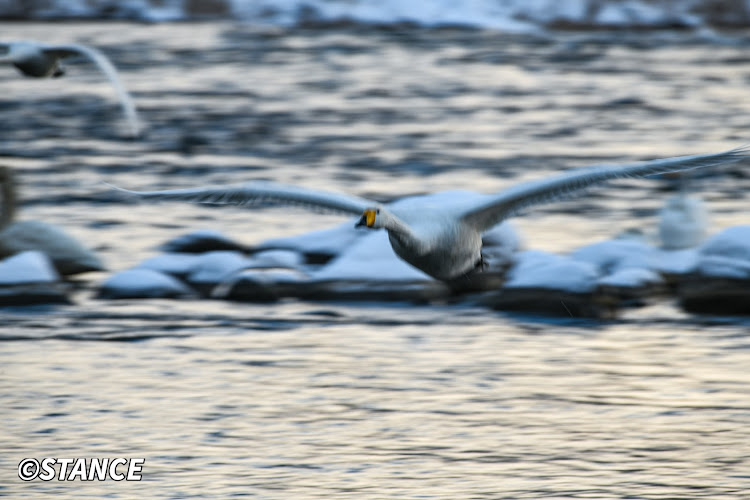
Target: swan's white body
41, 61
430, 238
443, 240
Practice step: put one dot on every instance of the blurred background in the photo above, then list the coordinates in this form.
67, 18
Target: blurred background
383, 99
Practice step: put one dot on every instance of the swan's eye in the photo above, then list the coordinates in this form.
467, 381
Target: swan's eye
370, 217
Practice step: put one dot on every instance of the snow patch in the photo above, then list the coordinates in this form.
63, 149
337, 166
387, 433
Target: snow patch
371, 259
726, 255
27, 267
215, 267
331, 241
631, 278
539, 269
142, 283
176, 264
610, 256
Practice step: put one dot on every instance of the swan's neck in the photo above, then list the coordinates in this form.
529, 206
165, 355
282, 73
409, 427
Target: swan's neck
400, 233
8, 195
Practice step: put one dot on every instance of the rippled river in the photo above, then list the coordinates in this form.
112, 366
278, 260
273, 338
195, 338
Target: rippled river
322, 400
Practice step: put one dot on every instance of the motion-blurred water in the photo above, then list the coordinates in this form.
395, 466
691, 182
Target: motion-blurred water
308, 400
517, 16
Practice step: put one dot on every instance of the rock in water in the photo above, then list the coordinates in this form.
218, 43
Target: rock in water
29, 278
67, 254
143, 284
204, 240
720, 281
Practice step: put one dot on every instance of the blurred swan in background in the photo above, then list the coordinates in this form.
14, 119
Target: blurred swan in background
65, 252
683, 220
43, 61
443, 240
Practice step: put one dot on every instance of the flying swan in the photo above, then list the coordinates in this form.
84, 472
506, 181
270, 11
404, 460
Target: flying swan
444, 242
43, 61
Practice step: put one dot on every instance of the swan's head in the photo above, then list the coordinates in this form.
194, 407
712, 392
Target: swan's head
371, 218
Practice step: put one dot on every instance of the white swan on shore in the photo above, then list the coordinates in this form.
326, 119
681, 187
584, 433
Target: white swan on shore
444, 241
65, 252
43, 61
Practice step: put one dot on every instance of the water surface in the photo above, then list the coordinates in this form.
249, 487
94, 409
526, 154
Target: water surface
314, 400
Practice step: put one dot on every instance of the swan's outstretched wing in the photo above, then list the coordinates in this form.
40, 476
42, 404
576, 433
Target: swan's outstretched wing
104, 64
262, 193
510, 201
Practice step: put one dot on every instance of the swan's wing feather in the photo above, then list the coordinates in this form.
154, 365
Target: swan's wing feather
510, 201
262, 193
109, 70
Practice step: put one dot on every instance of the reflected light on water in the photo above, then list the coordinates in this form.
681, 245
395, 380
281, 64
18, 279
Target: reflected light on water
305, 400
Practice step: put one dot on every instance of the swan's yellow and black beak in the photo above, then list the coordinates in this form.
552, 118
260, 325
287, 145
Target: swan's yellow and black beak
368, 218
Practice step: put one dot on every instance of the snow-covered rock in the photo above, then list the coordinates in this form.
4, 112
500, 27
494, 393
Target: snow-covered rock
276, 259
631, 277
27, 267
319, 245
212, 268
544, 283
726, 254
610, 256
539, 269
30, 278
720, 266
201, 241
262, 285
176, 264
631, 286
720, 280
68, 255
143, 283
675, 262
369, 259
